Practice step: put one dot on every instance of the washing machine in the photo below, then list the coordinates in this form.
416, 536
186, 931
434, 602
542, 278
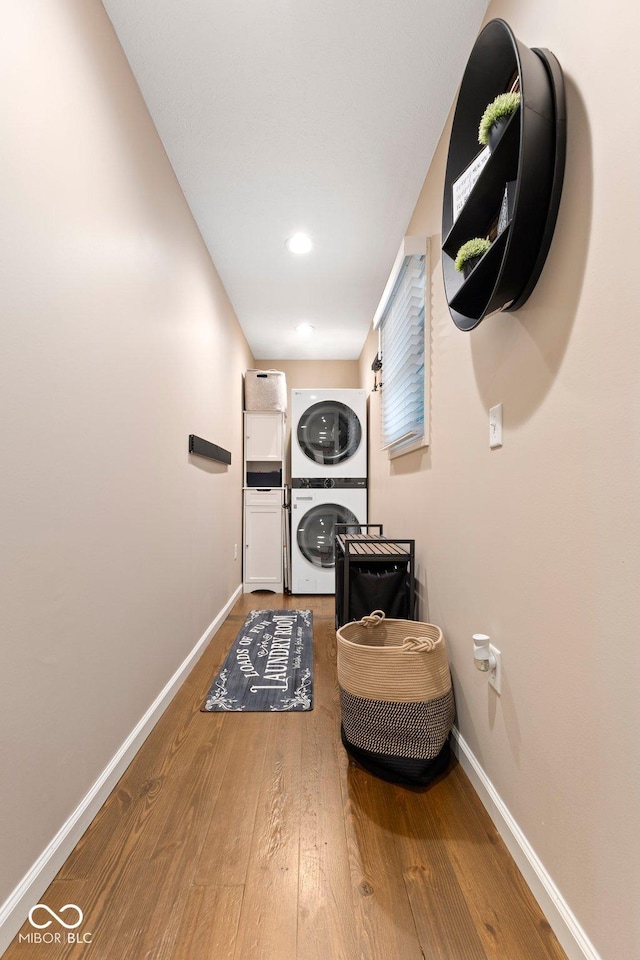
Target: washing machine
328, 434
316, 506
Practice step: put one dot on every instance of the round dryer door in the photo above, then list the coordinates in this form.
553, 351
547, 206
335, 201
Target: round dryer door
329, 432
316, 532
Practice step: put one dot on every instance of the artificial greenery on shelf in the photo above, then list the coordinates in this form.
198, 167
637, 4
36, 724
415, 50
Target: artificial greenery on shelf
503, 105
472, 248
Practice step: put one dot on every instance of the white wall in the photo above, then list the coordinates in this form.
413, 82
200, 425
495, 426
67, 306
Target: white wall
536, 543
118, 341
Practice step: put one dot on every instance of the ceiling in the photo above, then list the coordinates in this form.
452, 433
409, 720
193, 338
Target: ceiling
281, 116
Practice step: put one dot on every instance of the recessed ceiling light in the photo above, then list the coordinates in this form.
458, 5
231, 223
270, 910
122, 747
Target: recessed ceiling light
299, 243
305, 329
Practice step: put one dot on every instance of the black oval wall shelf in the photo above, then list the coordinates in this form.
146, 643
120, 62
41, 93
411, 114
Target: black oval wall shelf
529, 158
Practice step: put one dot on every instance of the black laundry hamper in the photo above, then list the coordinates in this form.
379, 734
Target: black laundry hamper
373, 573
385, 585
396, 697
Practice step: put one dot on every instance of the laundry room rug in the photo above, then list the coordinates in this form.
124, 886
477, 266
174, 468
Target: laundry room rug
269, 667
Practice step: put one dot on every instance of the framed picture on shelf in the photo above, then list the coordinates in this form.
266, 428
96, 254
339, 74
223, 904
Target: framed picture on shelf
462, 187
506, 208
514, 84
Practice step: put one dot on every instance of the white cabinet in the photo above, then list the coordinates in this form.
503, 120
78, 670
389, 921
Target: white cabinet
263, 437
263, 540
263, 501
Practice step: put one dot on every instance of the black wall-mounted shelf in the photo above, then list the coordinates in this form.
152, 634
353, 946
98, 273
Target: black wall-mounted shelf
530, 154
202, 448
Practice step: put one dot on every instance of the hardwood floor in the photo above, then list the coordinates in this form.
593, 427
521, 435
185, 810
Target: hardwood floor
252, 837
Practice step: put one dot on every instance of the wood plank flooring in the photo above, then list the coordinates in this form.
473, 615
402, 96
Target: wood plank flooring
253, 837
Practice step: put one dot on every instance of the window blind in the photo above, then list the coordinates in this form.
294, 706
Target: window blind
402, 346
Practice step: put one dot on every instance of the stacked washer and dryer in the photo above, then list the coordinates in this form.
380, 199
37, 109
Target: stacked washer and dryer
328, 480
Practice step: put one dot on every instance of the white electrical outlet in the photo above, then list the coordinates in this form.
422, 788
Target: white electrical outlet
495, 669
235, 551
495, 426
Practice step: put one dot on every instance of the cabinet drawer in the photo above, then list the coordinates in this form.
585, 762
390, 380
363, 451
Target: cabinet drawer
259, 497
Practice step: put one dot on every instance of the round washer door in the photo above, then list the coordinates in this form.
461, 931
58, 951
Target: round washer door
329, 432
316, 532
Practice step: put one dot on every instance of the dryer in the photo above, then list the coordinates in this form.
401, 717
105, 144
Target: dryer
316, 507
328, 434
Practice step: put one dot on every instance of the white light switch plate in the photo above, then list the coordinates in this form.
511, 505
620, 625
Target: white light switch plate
495, 426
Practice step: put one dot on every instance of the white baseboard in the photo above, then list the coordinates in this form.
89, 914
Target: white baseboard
15, 909
564, 924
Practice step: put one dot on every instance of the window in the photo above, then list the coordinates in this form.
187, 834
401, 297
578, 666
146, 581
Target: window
404, 349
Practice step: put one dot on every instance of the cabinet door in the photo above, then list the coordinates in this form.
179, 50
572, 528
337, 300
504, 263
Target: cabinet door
263, 436
263, 544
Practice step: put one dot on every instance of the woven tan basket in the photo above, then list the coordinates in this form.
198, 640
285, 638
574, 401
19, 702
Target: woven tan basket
394, 660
